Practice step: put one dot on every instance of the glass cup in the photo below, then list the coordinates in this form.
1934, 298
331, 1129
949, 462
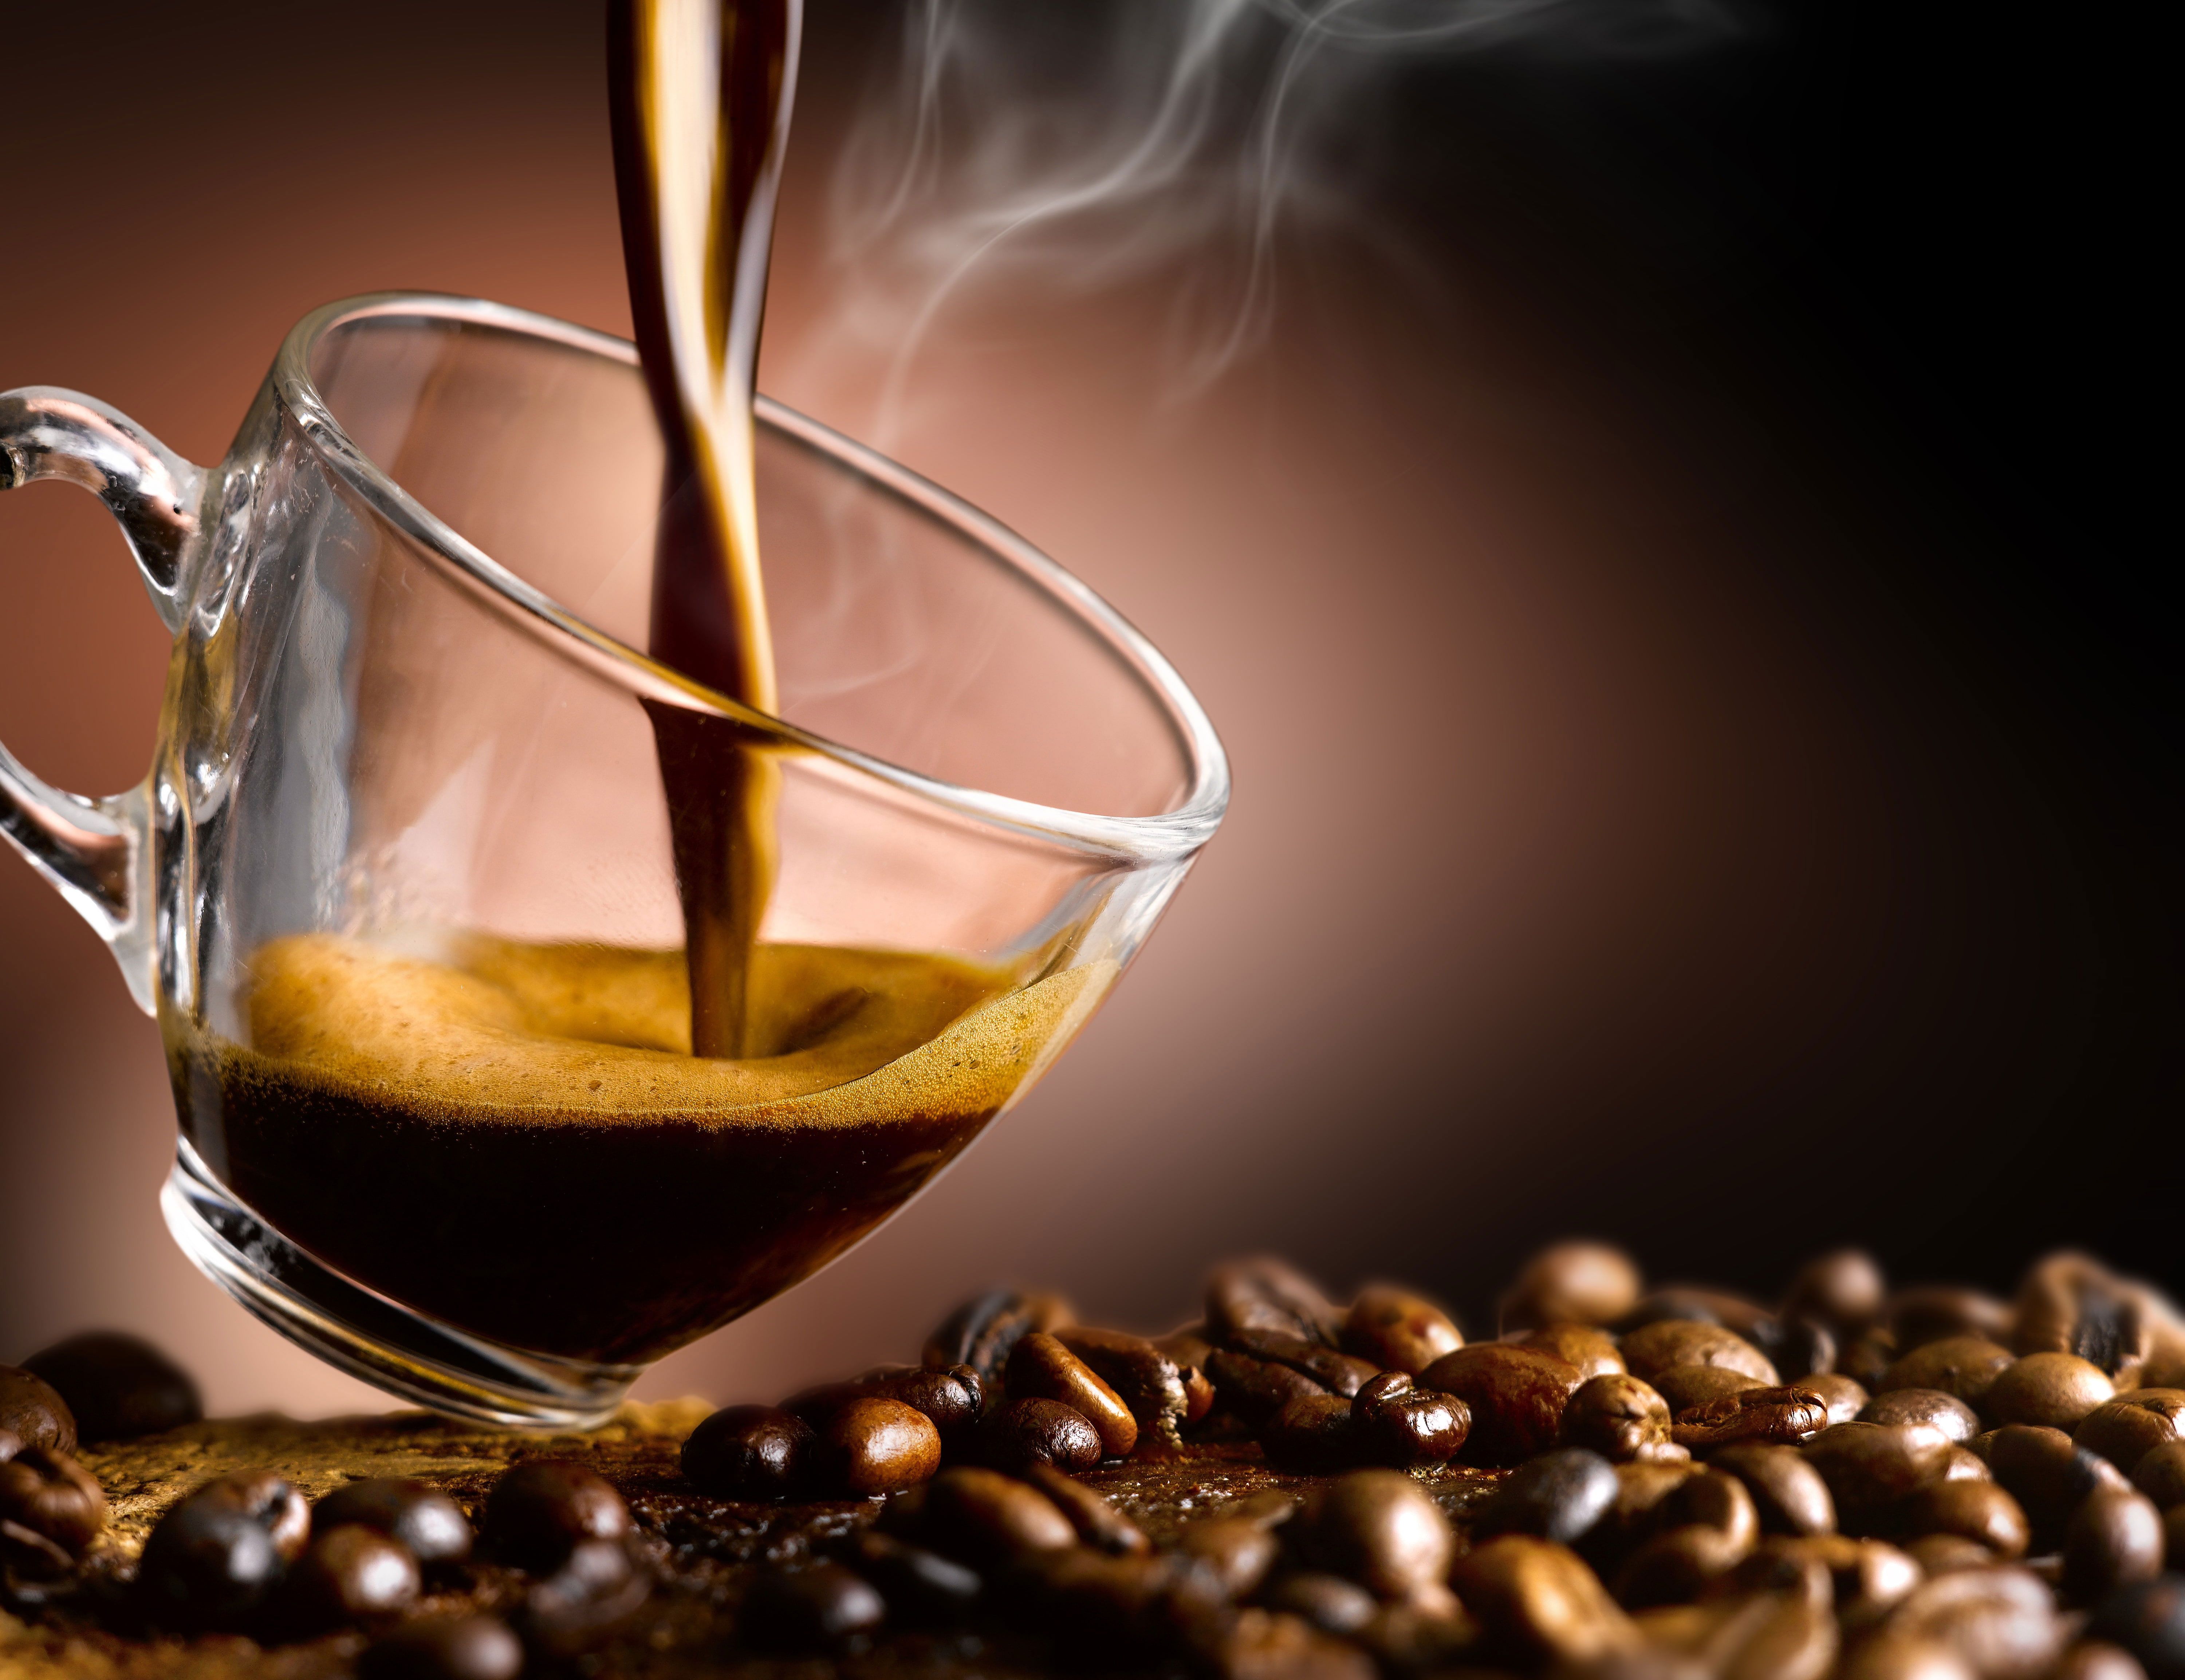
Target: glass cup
399, 885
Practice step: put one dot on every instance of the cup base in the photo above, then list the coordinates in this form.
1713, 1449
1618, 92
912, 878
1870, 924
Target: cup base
369, 1336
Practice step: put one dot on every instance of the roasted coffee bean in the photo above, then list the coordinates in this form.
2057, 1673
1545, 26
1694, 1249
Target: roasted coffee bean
918, 1586
981, 1331
2147, 1619
1619, 1417
1190, 1350
1516, 1396
49, 1496
822, 1608
2055, 1391
1653, 1349
1688, 1388
952, 1400
1963, 1366
2097, 1660
1254, 1390
595, 1586
1947, 1413
1865, 1577
1099, 1522
1961, 1464
2160, 1474
982, 1517
1259, 1643
1557, 1496
1088, 1603
426, 1521
1420, 1638
751, 1453
1710, 1498
118, 1386
1329, 1602
1843, 1290
33, 1413
1869, 1466
2001, 1621
1538, 1603
1146, 1380
1787, 1417
348, 1574
1892, 1656
1236, 1553
1684, 1304
1339, 1373
1041, 1368
2125, 1430
1314, 1434
1678, 1564
1845, 1398
1592, 1352
874, 1446
1776, 1638
1379, 1528
1788, 1496
209, 1563
2114, 1539
2045, 1471
1405, 1426
1392, 1329
2071, 1304
1572, 1283
1797, 1348
1979, 1511
1866, 1359
1020, 1433
1933, 1313
1944, 1553
539, 1510
444, 1648
1265, 1296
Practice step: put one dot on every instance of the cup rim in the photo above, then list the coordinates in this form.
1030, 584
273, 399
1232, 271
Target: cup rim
1168, 836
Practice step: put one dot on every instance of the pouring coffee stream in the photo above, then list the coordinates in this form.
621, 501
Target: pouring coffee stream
699, 94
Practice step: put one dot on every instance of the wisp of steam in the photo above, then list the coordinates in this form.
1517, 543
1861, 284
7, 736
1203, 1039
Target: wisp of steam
1078, 147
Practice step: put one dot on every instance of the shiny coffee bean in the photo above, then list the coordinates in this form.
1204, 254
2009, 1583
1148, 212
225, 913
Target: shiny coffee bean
1041, 1368
1100, 1522
1406, 1427
2097, 1660
444, 1648
2045, 1471
1379, 1528
1256, 1642
1516, 1396
1788, 1496
2147, 1619
1897, 1656
1233, 1552
540, 1510
2071, 1304
1845, 1398
2001, 1621
1843, 1290
1979, 1511
1020, 1433
1143, 1377
819, 1609
1963, 1366
1539, 1605
1946, 1554
952, 1400
1394, 1330
118, 1386
210, 1562
751, 1453
1938, 1312
2160, 1474
2126, 1429
1191, 1351
1712, 1499
1254, 1390
982, 1517
1961, 1464
1335, 1371
1593, 1352
1678, 1564
1313, 1435
1654, 1348
595, 1586
426, 1521
2053, 1391
1572, 1283
1866, 1359
1088, 1603
918, 1586
1558, 1496
35, 1414
1787, 1417
1869, 1466
1688, 1388
2114, 1539
348, 1574
982, 1332
876, 1446
1329, 1602
1265, 1296
50, 1495
1618, 1416
1947, 1413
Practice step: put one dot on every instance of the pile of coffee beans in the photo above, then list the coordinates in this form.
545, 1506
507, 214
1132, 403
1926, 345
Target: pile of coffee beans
1629, 1484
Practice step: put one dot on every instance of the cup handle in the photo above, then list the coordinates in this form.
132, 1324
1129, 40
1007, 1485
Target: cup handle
97, 851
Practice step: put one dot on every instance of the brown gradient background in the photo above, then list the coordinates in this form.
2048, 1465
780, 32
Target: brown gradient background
1641, 827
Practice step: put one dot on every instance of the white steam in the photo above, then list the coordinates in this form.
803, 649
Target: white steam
1079, 144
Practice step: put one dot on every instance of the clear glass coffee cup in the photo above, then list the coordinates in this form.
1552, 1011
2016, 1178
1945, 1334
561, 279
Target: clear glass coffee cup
400, 887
